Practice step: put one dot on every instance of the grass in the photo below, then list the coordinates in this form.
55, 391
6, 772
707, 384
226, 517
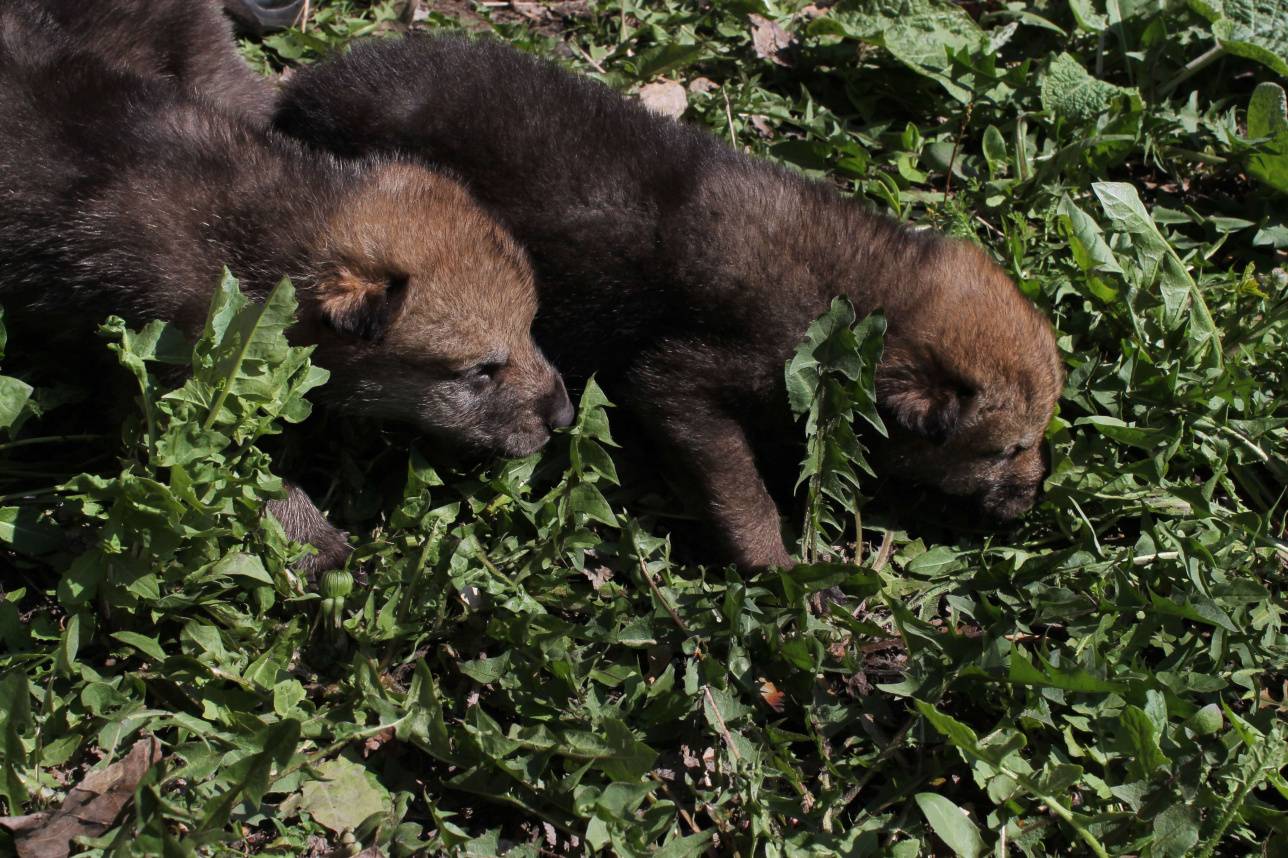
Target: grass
529, 669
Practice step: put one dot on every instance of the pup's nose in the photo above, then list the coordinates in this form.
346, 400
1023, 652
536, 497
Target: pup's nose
1010, 501
556, 407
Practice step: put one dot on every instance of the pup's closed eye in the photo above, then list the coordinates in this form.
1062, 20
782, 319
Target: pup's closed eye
1009, 452
486, 370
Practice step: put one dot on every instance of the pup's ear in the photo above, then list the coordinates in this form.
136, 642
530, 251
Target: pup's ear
925, 399
358, 305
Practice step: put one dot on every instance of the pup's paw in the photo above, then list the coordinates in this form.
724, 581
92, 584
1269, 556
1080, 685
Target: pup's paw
303, 522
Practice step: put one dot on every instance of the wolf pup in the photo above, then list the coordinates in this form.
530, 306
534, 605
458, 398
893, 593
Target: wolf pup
188, 42
684, 273
122, 196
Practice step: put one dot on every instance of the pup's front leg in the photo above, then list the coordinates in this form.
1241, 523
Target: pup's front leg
713, 454
305, 523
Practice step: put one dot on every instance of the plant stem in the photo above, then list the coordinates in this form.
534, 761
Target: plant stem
48, 439
1192, 68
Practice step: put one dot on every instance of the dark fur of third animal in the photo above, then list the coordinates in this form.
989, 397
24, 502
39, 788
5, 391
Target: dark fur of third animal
187, 42
684, 273
122, 195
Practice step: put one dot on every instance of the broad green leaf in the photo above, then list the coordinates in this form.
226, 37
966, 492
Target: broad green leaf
287, 695
1256, 29
14, 395
149, 646
1086, 16
1176, 830
1207, 721
1086, 240
424, 724
921, 34
1268, 118
1127, 213
951, 824
1068, 91
15, 727
274, 746
686, 847
344, 796
27, 531
938, 561
243, 565
1142, 737
994, 148
586, 498
486, 670
1024, 672
69, 645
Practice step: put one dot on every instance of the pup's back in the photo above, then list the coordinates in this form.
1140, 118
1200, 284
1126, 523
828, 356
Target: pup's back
88, 152
552, 155
186, 42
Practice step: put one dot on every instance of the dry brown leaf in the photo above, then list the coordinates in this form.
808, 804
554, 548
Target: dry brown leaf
599, 576
771, 695
374, 743
665, 97
769, 39
702, 84
90, 809
761, 124
531, 11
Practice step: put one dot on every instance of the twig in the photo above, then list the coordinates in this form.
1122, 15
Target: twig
884, 552
679, 808
657, 591
853, 792
858, 536
957, 142
733, 138
1146, 559
724, 730
587, 57
31, 493
1192, 68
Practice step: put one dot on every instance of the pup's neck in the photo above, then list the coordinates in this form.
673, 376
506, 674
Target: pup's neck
789, 237
261, 220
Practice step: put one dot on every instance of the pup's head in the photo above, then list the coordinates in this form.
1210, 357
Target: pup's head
968, 383
422, 309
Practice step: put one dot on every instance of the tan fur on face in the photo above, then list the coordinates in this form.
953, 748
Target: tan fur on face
974, 373
420, 288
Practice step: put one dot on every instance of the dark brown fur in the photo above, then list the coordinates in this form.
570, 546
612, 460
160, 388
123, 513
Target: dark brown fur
684, 274
120, 195
188, 42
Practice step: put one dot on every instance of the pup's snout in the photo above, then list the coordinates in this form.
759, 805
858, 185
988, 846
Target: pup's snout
1011, 500
556, 408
